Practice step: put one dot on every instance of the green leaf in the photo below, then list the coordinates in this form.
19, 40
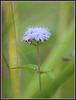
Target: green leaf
51, 74
44, 70
35, 68
30, 66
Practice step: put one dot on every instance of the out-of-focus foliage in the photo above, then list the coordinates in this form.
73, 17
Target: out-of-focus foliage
59, 18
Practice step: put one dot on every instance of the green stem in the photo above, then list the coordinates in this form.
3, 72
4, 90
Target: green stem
7, 7
39, 66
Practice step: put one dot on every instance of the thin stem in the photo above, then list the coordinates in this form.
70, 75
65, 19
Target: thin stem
39, 66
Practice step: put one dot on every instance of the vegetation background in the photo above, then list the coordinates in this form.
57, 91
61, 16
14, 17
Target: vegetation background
56, 54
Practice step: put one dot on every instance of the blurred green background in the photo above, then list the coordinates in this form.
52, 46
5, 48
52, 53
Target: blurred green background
57, 53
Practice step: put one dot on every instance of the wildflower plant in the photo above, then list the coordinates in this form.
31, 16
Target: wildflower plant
36, 35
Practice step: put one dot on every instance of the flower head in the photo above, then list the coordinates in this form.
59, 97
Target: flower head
37, 33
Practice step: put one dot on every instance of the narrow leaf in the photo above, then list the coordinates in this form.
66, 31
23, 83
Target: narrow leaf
30, 66
7, 65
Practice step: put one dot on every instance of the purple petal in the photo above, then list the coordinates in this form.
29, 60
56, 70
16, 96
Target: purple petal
29, 42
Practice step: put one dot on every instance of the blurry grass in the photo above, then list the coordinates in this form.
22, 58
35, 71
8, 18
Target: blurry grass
66, 90
6, 86
33, 13
69, 92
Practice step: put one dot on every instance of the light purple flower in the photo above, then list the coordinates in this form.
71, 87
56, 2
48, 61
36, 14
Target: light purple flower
37, 33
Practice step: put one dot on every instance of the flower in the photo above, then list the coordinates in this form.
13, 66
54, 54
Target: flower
37, 33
